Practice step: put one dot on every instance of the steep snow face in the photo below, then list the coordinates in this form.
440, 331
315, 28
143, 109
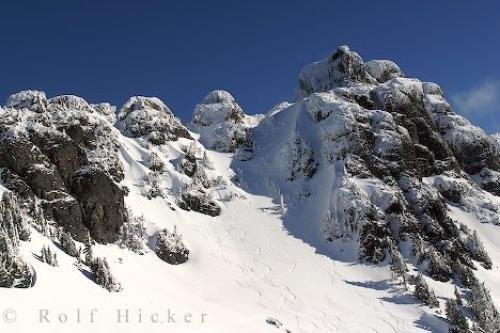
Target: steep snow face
221, 123
150, 119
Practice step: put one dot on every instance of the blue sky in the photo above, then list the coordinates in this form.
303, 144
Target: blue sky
180, 50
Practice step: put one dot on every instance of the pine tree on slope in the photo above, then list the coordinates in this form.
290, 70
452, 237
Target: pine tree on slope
424, 293
458, 322
101, 274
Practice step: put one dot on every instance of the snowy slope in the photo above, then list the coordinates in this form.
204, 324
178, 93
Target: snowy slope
244, 268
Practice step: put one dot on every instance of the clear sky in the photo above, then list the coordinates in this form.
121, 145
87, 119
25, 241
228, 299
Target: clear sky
108, 50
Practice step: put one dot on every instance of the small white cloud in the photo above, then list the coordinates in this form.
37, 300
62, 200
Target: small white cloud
480, 100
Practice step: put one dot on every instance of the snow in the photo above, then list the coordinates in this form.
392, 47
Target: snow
244, 268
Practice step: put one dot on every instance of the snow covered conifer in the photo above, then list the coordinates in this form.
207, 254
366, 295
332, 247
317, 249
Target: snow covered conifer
457, 320
458, 298
155, 163
133, 234
476, 248
170, 248
68, 244
464, 273
424, 293
101, 275
87, 250
438, 267
398, 265
13, 221
14, 272
48, 257
483, 308
154, 189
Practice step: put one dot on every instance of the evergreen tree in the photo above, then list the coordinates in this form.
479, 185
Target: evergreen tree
477, 251
483, 308
398, 265
68, 244
154, 190
87, 251
12, 217
155, 163
133, 234
48, 257
170, 248
101, 274
464, 273
438, 267
457, 320
14, 272
424, 293
458, 298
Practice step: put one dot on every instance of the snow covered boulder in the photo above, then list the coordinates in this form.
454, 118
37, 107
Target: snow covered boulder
28, 99
150, 118
383, 70
221, 123
342, 68
170, 248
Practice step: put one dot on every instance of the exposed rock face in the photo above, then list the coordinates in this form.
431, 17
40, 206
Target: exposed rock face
102, 204
221, 122
60, 151
195, 195
150, 118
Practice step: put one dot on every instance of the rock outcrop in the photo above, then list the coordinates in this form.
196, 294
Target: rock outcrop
149, 118
221, 123
59, 152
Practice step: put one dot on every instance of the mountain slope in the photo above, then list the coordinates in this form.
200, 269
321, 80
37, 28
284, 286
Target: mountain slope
321, 221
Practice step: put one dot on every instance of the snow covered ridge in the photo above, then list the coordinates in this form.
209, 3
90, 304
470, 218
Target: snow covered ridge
365, 204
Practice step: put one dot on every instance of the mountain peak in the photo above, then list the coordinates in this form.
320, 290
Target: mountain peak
344, 68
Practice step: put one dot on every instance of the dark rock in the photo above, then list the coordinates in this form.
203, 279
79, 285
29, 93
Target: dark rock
195, 202
102, 204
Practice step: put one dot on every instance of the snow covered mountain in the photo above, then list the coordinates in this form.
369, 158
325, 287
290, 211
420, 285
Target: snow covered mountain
366, 204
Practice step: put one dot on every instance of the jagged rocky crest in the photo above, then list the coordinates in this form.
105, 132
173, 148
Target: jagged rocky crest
61, 156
